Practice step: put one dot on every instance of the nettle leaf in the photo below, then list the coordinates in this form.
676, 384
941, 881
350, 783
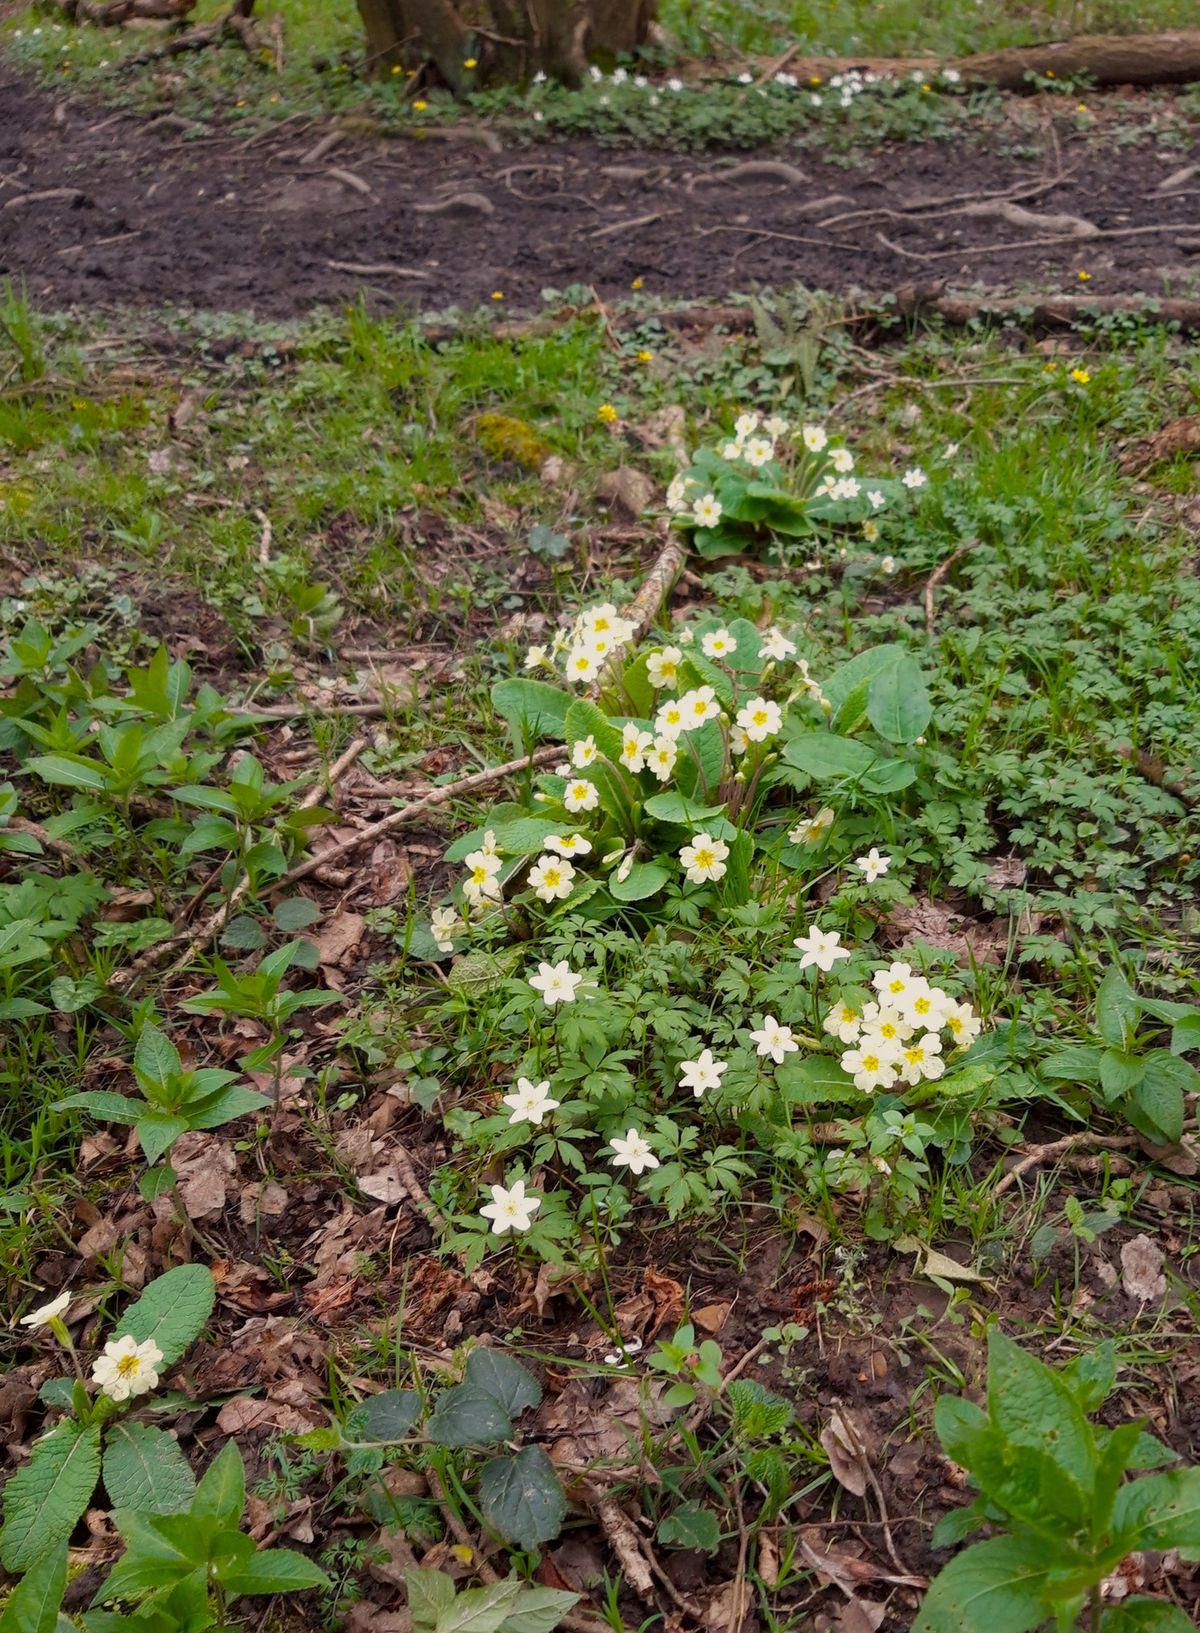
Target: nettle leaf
522, 1497
1033, 1407
538, 1610
531, 708
513, 1385
1145, 1616
1160, 1511
898, 704
993, 1587
172, 1311
32, 1606
466, 1415
389, 1416
690, 1526
43, 1500
145, 1470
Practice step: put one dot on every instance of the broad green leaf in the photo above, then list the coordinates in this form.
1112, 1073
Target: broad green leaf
701, 761
1120, 1072
480, 1610
889, 776
1116, 1008
221, 1107
1074, 1065
1185, 1035
69, 771
672, 806
524, 836
274, 1570
513, 1385
389, 1416
643, 880
522, 1498
43, 1500
172, 1311
1160, 1511
898, 704
295, 913
32, 1606
157, 1131
584, 720
960, 1426
1145, 1616
992, 1587
816, 1080
824, 756
1092, 1375
221, 1495
112, 1107
429, 1594
145, 1470
851, 681
156, 1058
1118, 1447
1028, 1483
690, 1526
538, 1610
531, 708
1033, 1407
1156, 1106
466, 1415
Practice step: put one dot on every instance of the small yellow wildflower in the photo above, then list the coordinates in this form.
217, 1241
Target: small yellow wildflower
1081, 107
1049, 73
607, 414
419, 107
1051, 368
1084, 277
497, 294
1080, 376
396, 69
814, 79
645, 357
470, 62
637, 283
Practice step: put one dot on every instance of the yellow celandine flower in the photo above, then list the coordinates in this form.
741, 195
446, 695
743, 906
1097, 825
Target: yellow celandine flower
419, 107
396, 69
645, 357
470, 62
1080, 376
497, 294
637, 283
1084, 277
607, 413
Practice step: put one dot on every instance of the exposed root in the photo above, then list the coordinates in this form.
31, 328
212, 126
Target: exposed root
1039, 1155
236, 24
936, 577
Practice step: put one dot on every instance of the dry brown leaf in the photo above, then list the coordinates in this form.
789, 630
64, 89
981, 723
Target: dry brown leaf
858, 1616
627, 491
730, 1609
768, 1560
339, 936
711, 1317
243, 1414
1142, 1270
205, 1165
267, 1200
385, 1186
844, 1448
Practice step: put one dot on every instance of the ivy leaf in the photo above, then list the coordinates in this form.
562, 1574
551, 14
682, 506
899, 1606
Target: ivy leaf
466, 1415
172, 1311
522, 1497
145, 1470
43, 1500
513, 1385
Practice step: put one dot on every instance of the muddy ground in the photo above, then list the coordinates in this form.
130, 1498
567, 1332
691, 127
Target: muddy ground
132, 215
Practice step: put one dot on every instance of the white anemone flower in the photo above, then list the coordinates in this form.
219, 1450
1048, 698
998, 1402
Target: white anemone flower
510, 1209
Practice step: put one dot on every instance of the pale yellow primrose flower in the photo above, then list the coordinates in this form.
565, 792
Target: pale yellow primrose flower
127, 1368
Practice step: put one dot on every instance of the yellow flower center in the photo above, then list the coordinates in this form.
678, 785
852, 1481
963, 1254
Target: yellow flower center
870, 1063
129, 1366
704, 859
897, 986
759, 717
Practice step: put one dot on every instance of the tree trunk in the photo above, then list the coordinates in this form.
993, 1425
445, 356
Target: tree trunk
504, 39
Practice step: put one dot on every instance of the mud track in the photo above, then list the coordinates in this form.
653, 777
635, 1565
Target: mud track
135, 215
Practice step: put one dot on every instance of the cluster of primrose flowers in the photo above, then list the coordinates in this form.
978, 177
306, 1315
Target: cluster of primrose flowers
895, 1037
122, 1370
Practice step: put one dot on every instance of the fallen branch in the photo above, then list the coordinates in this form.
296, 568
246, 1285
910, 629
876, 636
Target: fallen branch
936, 577
1155, 771
235, 24
377, 269
1180, 436
1038, 1155
1041, 312
1074, 226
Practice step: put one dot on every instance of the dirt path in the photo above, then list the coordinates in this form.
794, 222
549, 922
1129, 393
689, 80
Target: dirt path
152, 217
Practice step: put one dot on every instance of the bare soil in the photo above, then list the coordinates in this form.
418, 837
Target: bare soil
140, 215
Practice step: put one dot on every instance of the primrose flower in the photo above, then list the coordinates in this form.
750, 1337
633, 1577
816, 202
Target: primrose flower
774, 1040
671, 720
924, 1005
551, 878
759, 452
662, 668
705, 1072
875, 499
481, 884
869, 1067
127, 1368
632, 1152
531, 1102
887, 564
510, 1209
886, 1025
718, 643
738, 741
774, 644
676, 491
843, 1022
707, 510
820, 947
662, 756
557, 983
873, 866
443, 922
914, 478
962, 1023
812, 828
634, 746
775, 427
894, 983
745, 426
46, 1313
568, 844
537, 658
760, 719
732, 451
842, 461
698, 706
922, 1058
580, 795
583, 753
583, 664
704, 859
814, 437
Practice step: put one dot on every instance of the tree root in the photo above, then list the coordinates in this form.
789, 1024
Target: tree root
1037, 1156
236, 24
1046, 313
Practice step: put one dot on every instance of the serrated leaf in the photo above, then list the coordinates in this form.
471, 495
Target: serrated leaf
690, 1526
43, 1500
221, 1495
1160, 1511
531, 708
499, 1375
157, 1131
429, 1594
522, 1497
295, 913
468, 1416
1033, 1407
32, 1606
156, 1058
145, 1470
816, 1080
1141, 1615
538, 1610
172, 1311
993, 1587
1074, 1065
480, 1610
274, 1570
389, 1416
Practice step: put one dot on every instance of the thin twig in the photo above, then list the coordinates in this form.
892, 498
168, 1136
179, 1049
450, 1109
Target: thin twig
936, 577
1040, 1154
